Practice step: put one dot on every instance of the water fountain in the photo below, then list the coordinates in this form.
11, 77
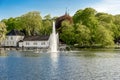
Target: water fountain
54, 40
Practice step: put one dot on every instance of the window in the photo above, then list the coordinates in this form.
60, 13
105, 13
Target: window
42, 43
7, 43
13, 43
11, 38
27, 43
35, 43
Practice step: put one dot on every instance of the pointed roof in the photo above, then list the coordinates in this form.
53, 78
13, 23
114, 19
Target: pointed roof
67, 11
14, 33
60, 19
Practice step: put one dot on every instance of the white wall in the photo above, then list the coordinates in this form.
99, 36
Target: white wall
12, 40
39, 44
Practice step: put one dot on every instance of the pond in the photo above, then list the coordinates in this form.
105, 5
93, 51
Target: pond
72, 65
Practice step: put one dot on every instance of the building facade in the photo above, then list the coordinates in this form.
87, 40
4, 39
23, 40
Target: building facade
17, 39
12, 39
35, 42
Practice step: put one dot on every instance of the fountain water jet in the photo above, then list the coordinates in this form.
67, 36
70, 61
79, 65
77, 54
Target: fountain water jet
54, 40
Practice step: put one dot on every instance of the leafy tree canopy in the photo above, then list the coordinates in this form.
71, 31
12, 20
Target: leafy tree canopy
2, 31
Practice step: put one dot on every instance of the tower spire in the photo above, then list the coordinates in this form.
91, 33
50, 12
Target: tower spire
67, 11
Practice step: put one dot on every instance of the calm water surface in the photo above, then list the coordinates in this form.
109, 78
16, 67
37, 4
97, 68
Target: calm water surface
82, 65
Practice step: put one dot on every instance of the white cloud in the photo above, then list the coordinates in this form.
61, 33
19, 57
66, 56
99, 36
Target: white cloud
109, 6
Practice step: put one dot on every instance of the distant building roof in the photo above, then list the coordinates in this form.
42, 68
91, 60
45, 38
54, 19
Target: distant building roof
14, 32
60, 19
36, 38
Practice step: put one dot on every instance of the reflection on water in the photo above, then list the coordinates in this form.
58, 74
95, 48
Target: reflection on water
3, 53
54, 57
54, 64
75, 65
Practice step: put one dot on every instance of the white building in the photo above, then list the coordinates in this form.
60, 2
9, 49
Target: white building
35, 42
12, 38
16, 39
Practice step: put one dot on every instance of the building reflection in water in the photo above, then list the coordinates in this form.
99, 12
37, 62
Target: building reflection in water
3, 53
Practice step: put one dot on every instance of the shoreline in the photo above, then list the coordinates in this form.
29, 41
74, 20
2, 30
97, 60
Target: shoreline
67, 48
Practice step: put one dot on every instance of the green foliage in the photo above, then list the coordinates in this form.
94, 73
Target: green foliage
47, 17
94, 28
105, 17
47, 27
117, 26
103, 37
82, 35
2, 31
77, 16
86, 17
31, 22
67, 34
110, 23
12, 23
54, 18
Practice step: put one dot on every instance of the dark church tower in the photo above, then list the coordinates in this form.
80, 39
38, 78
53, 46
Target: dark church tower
60, 19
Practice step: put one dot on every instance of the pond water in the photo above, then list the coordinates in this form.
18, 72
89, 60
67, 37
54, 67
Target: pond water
81, 65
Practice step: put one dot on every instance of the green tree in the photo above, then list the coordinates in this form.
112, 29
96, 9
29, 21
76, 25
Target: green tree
67, 34
94, 28
12, 23
2, 31
47, 17
31, 22
117, 26
103, 37
108, 18
109, 22
47, 27
82, 35
86, 17
54, 18
77, 16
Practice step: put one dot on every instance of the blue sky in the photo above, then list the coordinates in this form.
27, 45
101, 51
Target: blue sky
14, 8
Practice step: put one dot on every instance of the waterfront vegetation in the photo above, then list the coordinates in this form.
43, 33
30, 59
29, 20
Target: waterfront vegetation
88, 29
2, 31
